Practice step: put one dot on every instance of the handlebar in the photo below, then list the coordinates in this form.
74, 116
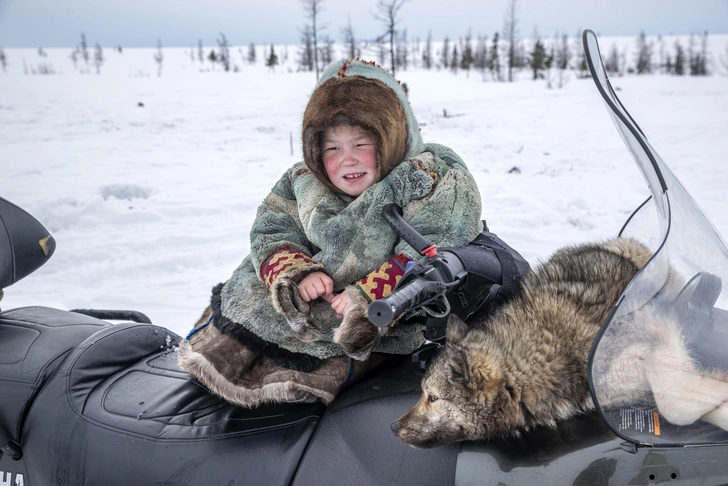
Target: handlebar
393, 215
459, 280
382, 312
429, 278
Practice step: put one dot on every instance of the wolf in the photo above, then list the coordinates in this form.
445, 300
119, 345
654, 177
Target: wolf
526, 364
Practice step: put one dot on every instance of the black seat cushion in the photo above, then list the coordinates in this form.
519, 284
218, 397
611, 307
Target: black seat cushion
33, 342
120, 411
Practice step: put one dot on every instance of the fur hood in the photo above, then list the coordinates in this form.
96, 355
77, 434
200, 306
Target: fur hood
360, 93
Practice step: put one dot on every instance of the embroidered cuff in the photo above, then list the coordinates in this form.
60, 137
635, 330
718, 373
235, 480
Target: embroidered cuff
281, 260
381, 282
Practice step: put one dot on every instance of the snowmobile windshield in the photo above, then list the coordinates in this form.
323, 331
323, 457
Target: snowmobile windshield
658, 370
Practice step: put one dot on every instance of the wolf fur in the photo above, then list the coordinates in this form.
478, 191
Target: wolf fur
526, 365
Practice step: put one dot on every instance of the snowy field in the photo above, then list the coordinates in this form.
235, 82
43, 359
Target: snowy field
150, 183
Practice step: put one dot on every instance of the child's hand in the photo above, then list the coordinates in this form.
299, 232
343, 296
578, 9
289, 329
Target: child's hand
315, 285
340, 304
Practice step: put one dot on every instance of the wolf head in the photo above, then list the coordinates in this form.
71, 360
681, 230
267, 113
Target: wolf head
465, 394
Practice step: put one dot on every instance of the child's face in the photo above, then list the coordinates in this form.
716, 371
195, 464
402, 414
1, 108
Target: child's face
350, 159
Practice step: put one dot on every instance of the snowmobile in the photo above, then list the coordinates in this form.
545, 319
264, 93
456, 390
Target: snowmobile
87, 402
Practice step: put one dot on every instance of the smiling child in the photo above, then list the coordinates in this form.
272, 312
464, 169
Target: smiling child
291, 324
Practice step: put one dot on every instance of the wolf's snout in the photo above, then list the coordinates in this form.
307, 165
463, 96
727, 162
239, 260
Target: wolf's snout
395, 427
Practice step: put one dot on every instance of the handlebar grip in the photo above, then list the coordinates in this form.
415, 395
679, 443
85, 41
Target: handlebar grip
382, 312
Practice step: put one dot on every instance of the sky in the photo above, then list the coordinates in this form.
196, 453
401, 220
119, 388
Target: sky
140, 23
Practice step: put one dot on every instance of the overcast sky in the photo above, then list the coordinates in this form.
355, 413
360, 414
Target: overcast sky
139, 23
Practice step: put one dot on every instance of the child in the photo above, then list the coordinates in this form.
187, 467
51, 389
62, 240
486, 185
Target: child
287, 322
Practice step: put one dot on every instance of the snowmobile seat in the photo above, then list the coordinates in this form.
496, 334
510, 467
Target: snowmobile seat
33, 342
119, 410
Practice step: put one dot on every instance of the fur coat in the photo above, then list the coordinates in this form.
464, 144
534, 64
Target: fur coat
306, 225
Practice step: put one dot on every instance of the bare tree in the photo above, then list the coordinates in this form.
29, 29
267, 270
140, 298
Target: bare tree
84, 49
98, 57
401, 51
306, 52
427, 53
350, 44
643, 63
414, 51
623, 61
537, 57
679, 67
74, 58
563, 52
326, 50
580, 65
251, 53
3, 59
388, 15
312, 9
415, 46
159, 57
454, 60
661, 62
494, 62
510, 32
691, 53
223, 52
723, 62
558, 60
380, 45
480, 58
612, 63
703, 64
445, 56
272, 60
200, 52
467, 59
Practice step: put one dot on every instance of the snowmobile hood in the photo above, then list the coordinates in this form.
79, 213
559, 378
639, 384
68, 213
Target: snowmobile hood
679, 291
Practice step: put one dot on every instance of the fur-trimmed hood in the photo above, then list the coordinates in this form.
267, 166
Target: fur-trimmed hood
355, 92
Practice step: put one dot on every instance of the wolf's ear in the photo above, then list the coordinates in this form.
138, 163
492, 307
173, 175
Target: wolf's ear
456, 329
457, 363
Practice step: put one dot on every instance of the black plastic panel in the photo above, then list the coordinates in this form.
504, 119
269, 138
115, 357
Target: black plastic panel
355, 446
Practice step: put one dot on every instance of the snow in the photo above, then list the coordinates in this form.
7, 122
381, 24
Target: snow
151, 205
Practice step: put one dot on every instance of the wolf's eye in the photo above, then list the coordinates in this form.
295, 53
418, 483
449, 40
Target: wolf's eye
432, 398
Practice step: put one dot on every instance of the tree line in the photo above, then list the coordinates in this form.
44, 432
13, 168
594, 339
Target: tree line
498, 58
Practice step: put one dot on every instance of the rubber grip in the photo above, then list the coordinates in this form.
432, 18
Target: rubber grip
384, 311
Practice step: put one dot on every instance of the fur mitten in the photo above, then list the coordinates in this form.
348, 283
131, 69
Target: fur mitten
356, 334
288, 302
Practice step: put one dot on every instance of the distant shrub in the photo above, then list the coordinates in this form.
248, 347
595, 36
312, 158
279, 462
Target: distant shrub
41, 68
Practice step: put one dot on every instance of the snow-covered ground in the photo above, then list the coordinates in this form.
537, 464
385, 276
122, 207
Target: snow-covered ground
150, 183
